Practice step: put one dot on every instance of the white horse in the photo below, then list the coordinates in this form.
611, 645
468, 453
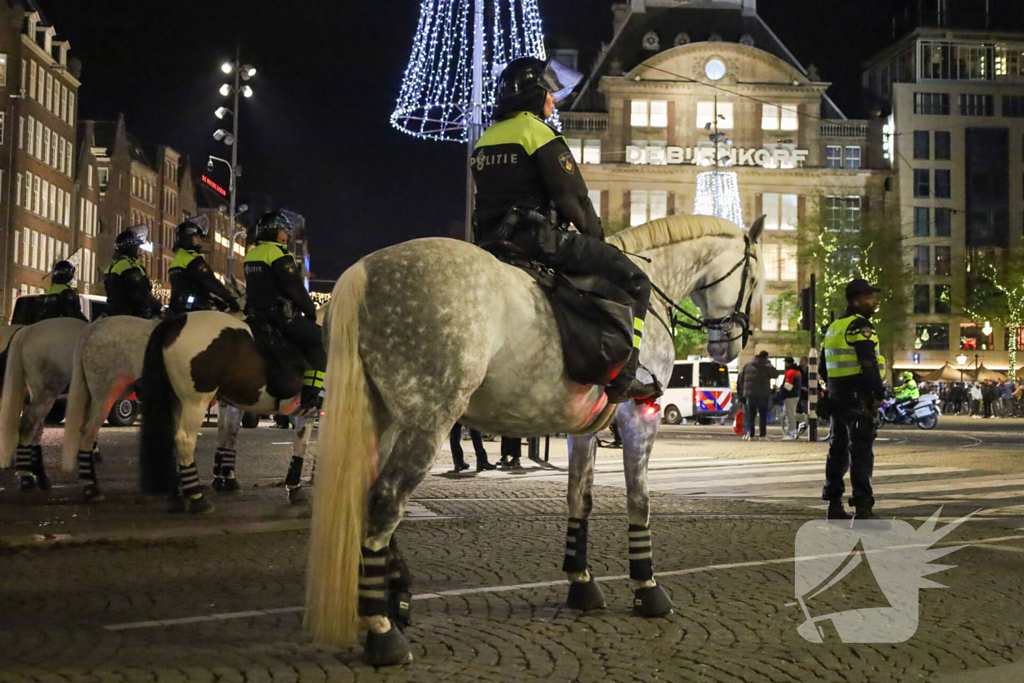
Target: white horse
6, 334
434, 331
39, 358
191, 360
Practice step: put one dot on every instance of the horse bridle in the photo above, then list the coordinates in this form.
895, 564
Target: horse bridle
740, 314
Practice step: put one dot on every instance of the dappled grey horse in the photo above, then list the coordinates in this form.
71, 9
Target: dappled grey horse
434, 331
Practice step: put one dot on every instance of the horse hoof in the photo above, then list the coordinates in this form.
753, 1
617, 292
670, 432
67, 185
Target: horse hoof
225, 485
199, 506
97, 458
585, 596
28, 484
387, 649
297, 494
652, 602
43, 480
93, 494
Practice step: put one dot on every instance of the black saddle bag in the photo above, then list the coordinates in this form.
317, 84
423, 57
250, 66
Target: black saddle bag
285, 364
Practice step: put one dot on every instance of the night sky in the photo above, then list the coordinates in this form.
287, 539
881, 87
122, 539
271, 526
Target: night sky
315, 137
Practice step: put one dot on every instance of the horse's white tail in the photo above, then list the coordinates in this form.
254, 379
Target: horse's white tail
346, 467
13, 399
77, 407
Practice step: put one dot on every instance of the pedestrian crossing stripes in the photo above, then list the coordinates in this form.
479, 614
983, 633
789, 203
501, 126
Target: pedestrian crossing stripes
898, 487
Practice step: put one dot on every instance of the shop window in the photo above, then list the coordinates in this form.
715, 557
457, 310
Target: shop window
931, 337
973, 338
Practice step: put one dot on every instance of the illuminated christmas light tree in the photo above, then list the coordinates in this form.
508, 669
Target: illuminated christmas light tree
449, 86
718, 194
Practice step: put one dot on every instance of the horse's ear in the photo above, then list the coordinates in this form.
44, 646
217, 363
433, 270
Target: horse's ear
756, 229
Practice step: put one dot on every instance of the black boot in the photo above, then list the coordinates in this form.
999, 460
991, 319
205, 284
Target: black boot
310, 399
626, 386
836, 510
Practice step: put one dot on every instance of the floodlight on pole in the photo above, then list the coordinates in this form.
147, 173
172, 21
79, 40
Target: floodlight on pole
222, 112
248, 72
220, 134
227, 67
247, 91
225, 90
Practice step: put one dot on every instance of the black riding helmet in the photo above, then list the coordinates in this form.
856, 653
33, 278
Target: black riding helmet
525, 82
269, 224
63, 273
184, 234
129, 241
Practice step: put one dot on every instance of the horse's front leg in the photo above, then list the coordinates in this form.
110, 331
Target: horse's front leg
638, 430
189, 423
293, 482
584, 593
229, 421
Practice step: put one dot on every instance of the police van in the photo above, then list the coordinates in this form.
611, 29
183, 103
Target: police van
698, 390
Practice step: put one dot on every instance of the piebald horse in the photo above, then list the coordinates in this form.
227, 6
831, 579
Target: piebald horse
434, 331
189, 361
39, 359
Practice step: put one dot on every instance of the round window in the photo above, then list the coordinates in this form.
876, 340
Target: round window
714, 69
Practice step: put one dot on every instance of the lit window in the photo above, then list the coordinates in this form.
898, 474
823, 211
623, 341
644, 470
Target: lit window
3, 71
659, 205
852, 160
777, 117
788, 117
595, 199
787, 262
770, 117
26, 246
591, 151
639, 117
576, 147
659, 114
833, 156
637, 207
771, 262
770, 209
706, 115
769, 322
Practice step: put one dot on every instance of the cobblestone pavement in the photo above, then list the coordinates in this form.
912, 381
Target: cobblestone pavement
215, 600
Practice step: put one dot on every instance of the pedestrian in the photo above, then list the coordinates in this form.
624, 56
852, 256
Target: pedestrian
792, 386
988, 397
458, 457
511, 452
1006, 398
976, 398
853, 371
756, 381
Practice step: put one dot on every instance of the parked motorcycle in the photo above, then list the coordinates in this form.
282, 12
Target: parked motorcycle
924, 412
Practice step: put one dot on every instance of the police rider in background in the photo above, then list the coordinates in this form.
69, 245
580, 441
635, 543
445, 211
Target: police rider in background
193, 284
907, 393
60, 300
129, 291
528, 183
275, 292
852, 370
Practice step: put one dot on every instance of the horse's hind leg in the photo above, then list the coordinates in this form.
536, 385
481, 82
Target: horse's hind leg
28, 459
411, 457
638, 431
584, 593
88, 440
229, 421
189, 423
293, 481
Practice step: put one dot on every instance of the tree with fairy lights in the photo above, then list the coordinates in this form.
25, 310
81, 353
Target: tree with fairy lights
995, 292
838, 241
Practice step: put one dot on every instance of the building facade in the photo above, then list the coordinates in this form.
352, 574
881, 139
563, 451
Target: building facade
673, 76
38, 89
952, 100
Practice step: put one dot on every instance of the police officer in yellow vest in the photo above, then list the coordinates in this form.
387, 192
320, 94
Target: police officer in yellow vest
275, 292
60, 300
129, 291
193, 284
852, 370
525, 173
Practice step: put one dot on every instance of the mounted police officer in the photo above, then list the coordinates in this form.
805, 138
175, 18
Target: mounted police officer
276, 294
853, 371
129, 291
528, 183
194, 287
60, 300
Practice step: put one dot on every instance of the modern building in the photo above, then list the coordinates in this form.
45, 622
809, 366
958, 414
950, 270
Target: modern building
38, 110
951, 94
673, 74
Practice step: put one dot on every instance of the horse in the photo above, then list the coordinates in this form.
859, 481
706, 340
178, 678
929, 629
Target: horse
434, 331
6, 334
38, 358
189, 361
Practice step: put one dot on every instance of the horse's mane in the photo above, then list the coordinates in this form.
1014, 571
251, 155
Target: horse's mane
664, 231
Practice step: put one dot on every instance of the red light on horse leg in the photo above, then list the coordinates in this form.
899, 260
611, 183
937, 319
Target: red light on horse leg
651, 408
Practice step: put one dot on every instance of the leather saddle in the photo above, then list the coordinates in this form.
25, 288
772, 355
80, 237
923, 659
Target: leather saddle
593, 316
284, 361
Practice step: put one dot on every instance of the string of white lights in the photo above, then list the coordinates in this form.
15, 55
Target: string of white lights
718, 194
435, 98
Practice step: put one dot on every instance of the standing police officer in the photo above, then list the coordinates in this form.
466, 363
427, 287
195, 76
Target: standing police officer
523, 170
129, 291
275, 292
853, 371
193, 284
60, 300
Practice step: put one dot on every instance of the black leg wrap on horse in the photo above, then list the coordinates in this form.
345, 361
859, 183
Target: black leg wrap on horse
37, 467
373, 576
86, 466
189, 480
641, 566
294, 477
23, 462
575, 546
224, 462
399, 589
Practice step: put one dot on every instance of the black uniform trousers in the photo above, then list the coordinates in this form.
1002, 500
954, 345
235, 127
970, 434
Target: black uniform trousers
455, 441
852, 449
305, 334
578, 254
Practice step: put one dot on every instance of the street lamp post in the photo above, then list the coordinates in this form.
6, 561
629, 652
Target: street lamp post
961, 361
242, 72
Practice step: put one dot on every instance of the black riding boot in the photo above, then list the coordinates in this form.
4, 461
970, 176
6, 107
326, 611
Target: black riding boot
626, 386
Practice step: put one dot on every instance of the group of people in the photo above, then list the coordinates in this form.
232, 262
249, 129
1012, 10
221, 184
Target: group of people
755, 393
986, 399
275, 292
